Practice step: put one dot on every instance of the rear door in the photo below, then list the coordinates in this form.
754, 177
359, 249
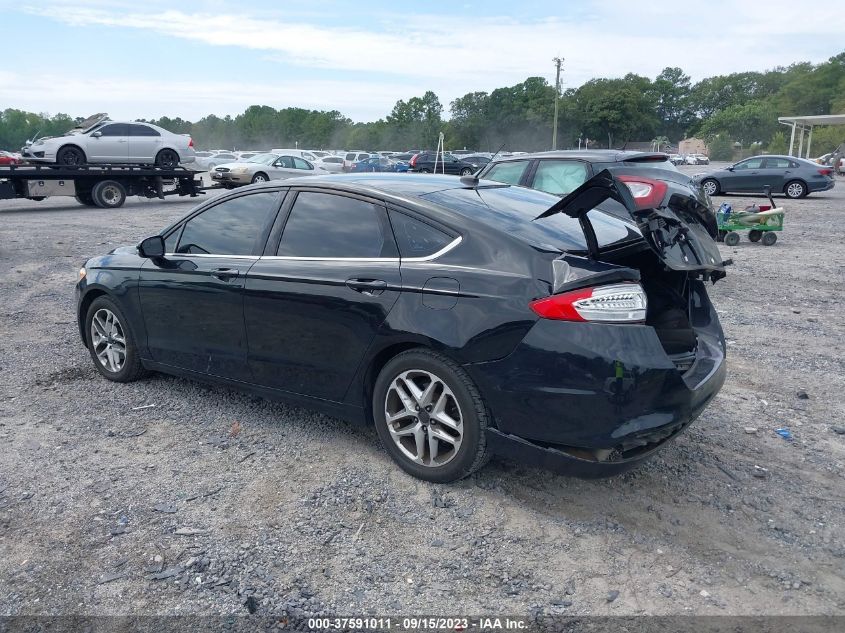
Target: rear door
144, 143
775, 172
315, 301
110, 145
192, 299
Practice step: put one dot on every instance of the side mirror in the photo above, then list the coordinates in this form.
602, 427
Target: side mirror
96, 134
731, 168
152, 247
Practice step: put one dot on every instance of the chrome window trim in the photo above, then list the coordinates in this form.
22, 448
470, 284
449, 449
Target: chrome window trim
426, 258
253, 257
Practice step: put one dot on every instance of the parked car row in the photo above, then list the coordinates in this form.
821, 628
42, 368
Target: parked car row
689, 159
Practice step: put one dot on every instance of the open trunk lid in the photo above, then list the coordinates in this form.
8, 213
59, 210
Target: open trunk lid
680, 237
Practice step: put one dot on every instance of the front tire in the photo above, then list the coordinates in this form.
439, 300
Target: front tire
430, 417
111, 342
795, 189
711, 186
70, 156
260, 177
769, 238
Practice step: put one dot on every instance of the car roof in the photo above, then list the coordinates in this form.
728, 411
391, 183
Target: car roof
591, 156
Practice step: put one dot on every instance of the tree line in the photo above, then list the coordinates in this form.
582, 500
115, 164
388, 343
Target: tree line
608, 112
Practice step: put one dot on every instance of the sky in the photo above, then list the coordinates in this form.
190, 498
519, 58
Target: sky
147, 59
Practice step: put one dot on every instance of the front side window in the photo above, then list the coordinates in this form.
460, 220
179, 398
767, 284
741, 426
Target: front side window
335, 227
560, 177
509, 173
752, 163
285, 162
416, 238
114, 129
230, 228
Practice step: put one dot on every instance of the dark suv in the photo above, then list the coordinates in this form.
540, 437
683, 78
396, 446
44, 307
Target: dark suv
424, 163
649, 175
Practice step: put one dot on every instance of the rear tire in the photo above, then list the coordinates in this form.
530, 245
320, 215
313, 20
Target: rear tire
108, 194
732, 238
754, 235
167, 159
466, 172
769, 238
795, 189
430, 397
424, 170
70, 156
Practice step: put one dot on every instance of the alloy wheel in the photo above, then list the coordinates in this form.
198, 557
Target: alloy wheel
709, 187
795, 190
109, 340
423, 418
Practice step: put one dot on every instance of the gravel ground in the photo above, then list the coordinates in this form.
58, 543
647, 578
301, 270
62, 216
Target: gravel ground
209, 501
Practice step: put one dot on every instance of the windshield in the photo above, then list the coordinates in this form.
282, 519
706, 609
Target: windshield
264, 159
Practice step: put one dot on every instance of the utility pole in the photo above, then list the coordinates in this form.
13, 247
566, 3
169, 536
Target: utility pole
558, 61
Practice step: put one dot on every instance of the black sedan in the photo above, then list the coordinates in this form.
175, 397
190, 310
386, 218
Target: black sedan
461, 317
432, 162
795, 177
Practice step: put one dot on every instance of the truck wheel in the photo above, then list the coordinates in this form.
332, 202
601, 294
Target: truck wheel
108, 194
70, 155
167, 158
85, 198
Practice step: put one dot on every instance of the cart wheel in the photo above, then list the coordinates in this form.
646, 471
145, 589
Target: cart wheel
732, 238
754, 235
769, 238
721, 235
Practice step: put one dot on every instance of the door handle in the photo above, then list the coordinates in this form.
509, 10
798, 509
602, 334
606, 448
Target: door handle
225, 274
367, 286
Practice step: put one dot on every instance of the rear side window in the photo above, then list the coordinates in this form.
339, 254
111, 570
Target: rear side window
333, 226
142, 130
416, 238
779, 163
350, 156
232, 227
300, 163
560, 177
509, 172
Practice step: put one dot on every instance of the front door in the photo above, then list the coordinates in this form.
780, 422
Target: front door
747, 176
192, 299
110, 145
313, 307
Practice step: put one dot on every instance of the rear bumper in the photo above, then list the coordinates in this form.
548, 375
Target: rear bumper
594, 400
814, 187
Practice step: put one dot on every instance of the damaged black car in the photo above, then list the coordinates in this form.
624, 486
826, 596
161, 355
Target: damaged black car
462, 317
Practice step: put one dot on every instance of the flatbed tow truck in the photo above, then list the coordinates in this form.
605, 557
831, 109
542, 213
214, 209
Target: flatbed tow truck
104, 186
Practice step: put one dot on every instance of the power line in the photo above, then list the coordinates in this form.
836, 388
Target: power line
558, 61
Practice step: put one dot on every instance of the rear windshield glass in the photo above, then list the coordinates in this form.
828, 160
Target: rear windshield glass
513, 209
650, 164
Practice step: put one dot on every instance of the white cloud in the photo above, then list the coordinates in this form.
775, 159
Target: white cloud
405, 54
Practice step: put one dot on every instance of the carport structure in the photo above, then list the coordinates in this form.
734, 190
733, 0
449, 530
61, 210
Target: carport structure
805, 124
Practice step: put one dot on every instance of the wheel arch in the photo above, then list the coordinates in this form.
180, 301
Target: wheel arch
801, 180
74, 146
85, 302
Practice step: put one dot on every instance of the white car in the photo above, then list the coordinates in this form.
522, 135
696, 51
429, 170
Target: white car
302, 153
264, 167
99, 140
350, 158
209, 160
333, 164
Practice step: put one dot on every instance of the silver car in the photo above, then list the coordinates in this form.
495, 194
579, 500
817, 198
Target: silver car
99, 140
264, 167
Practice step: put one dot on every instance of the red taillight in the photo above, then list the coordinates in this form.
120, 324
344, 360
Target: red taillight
826, 172
648, 193
413, 162
190, 142
615, 303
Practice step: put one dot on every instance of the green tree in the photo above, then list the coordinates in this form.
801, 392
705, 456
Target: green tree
777, 145
721, 147
671, 95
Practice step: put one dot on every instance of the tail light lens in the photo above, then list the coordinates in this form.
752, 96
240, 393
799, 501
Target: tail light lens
616, 303
648, 193
413, 162
826, 172
190, 142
